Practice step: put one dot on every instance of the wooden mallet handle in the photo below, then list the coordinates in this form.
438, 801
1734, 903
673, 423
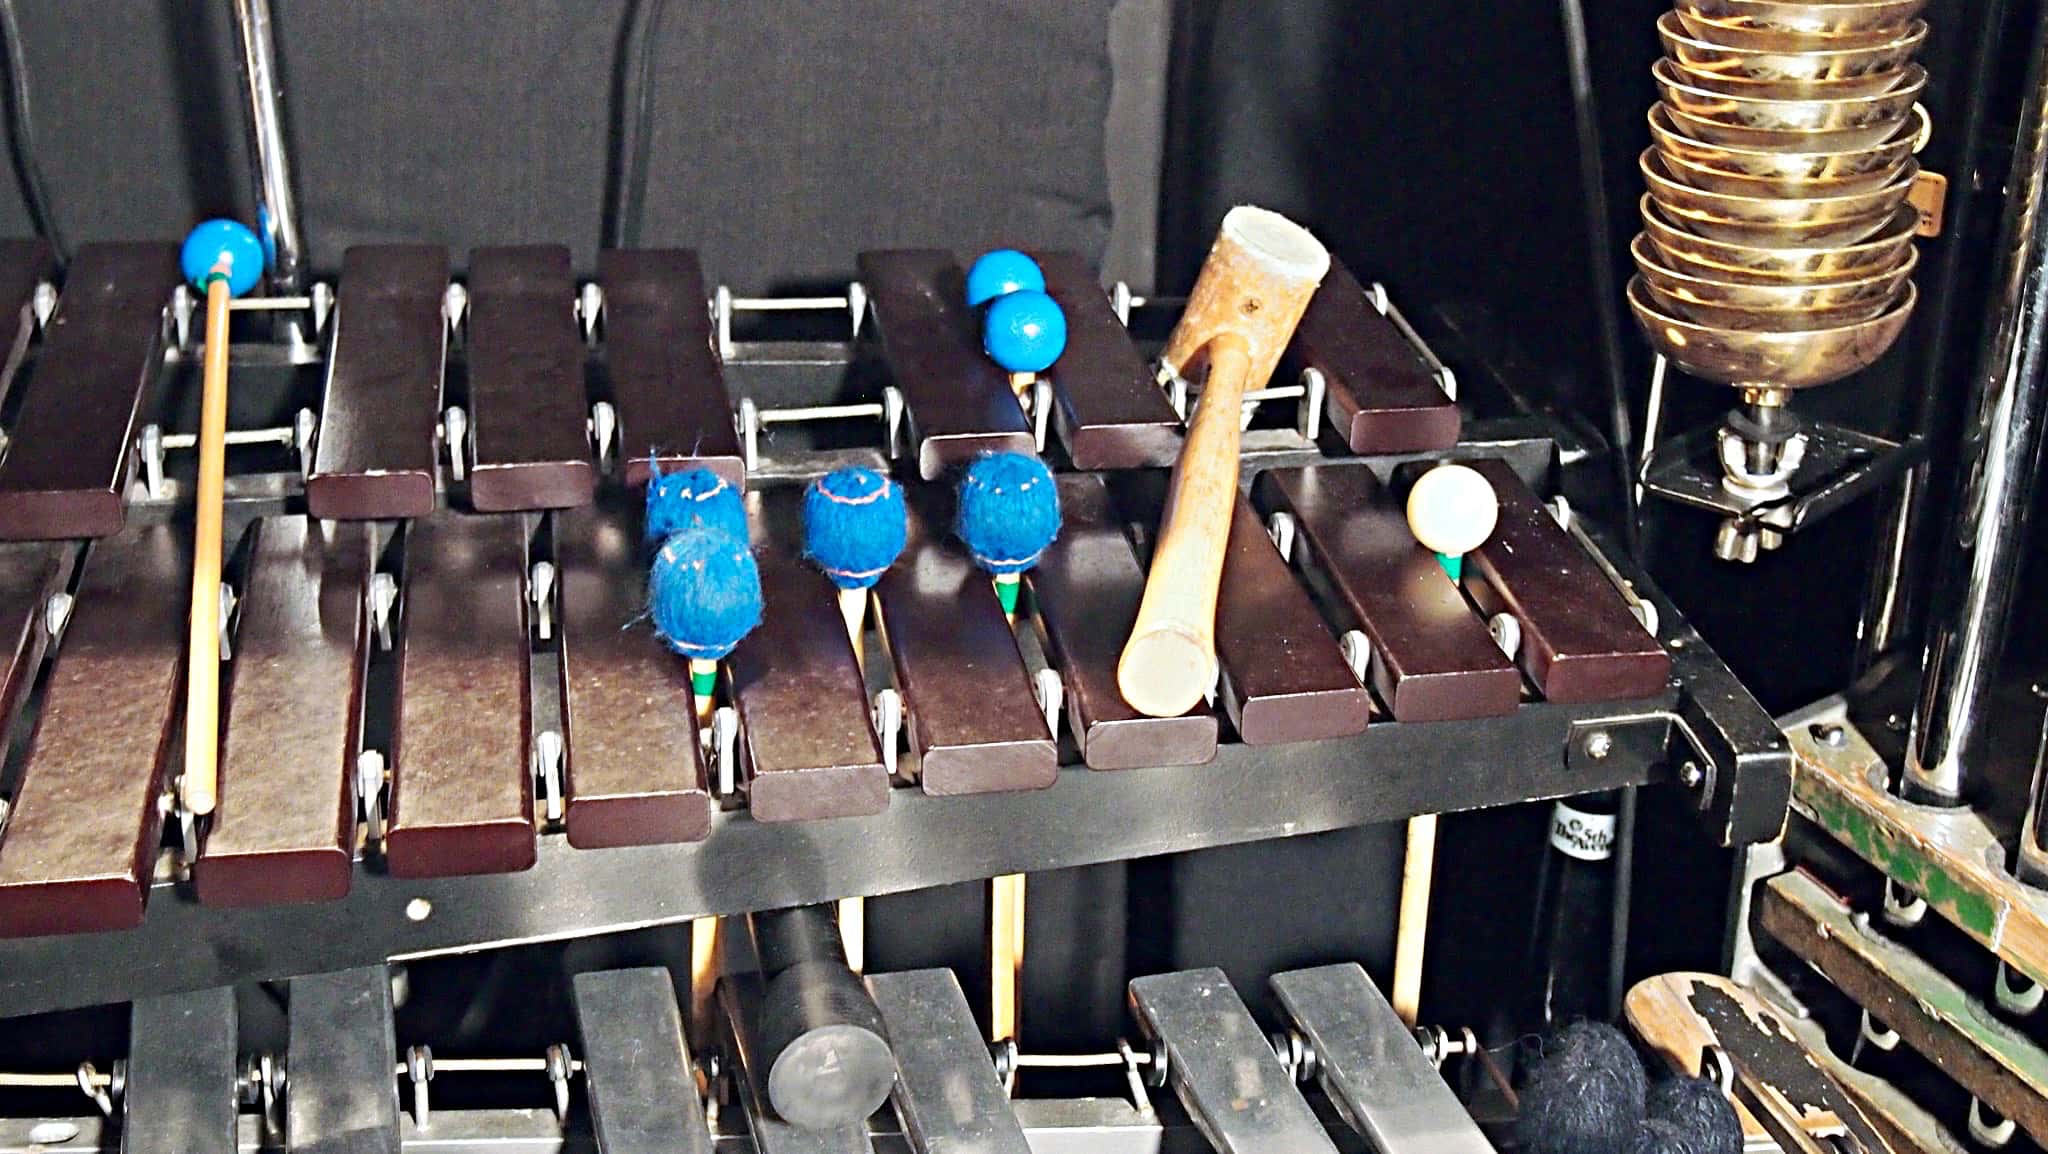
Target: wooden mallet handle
1246, 303
202, 685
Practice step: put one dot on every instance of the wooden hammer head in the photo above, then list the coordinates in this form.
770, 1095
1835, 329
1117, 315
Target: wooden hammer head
1255, 284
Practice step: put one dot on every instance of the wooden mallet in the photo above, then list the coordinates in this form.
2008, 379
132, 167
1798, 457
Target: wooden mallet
1249, 297
223, 259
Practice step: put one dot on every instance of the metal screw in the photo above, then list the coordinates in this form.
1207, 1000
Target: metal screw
1599, 744
1895, 723
1831, 735
1690, 775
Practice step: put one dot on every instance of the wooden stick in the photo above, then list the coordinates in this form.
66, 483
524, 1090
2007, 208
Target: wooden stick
1413, 926
202, 675
1250, 295
1006, 953
853, 606
703, 683
703, 977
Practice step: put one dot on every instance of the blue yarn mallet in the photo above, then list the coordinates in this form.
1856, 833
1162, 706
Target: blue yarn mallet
1000, 272
704, 593
693, 497
854, 529
1009, 511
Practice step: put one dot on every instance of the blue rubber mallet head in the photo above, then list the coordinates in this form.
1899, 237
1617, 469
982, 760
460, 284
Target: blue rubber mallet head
854, 525
693, 497
1009, 511
222, 248
704, 592
1001, 272
1025, 331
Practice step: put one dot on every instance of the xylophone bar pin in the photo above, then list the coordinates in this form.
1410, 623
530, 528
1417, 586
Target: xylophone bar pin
224, 259
1452, 510
854, 529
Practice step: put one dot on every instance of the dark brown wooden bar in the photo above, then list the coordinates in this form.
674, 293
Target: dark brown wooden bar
1579, 640
1433, 659
30, 573
1381, 395
382, 403
1085, 592
78, 853
24, 264
634, 772
528, 419
1108, 409
667, 383
72, 449
974, 721
960, 401
807, 745
285, 830
1284, 679
462, 789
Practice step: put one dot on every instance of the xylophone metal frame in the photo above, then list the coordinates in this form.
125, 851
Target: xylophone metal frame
1704, 730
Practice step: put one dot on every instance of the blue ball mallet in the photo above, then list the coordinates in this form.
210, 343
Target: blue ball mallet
1000, 272
854, 529
223, 259
1024, 332
1009, 511
704, 593
692, 497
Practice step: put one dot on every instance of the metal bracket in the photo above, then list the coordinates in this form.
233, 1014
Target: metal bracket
724, 742
540, 592
371, 785
888, 719
455, 436
547, 770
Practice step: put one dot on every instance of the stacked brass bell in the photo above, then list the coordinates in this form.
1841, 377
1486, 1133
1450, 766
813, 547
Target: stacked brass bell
1777, 246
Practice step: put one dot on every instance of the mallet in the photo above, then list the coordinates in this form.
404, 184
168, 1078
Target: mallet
1250, 295
223, 259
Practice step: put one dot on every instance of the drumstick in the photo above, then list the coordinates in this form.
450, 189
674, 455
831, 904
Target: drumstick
854, 529
999, 273
1250, 295
224, 259
1024, 332
704, 599
1009, 513
1452, 510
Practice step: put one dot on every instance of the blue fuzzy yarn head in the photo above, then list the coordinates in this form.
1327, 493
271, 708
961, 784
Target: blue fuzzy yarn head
1001, 272
1009, 511
854, 525
704, 592
1025, 332
677, 501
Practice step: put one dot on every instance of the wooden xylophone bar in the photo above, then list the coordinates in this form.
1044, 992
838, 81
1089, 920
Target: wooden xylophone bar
515, 633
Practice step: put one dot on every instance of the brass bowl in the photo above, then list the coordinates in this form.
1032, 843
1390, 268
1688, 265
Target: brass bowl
1878, 114
1844, 88
1767, 220
1683, 289
1875, 164
1796, 359
1759, 320
1710, 179
1803, 18
1706, 56
1760, 264
1715, 132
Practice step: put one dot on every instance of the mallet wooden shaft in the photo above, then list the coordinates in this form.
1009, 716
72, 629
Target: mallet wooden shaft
1417, 867
202, 676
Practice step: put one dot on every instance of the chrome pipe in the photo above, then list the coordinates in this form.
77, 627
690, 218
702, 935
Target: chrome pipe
2000, 457
277, 216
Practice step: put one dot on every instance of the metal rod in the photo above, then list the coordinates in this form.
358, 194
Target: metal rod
2000, 455
1600, 257
1895, 596
277, 217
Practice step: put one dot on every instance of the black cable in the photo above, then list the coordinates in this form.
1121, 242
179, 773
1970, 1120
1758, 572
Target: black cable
1624, 886
632, 140
1600, 243
21, 140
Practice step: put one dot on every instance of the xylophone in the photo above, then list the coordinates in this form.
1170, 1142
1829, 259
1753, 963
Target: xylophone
624, 1079
437, 665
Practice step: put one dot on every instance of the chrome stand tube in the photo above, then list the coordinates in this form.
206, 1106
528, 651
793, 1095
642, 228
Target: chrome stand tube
277, 217
2000, 456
